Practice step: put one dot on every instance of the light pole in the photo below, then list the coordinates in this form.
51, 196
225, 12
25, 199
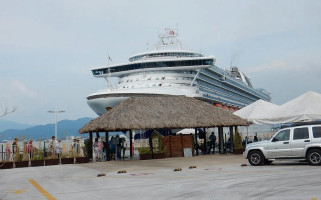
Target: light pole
56, 112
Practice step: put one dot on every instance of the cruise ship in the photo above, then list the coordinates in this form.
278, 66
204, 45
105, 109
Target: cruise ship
170, 70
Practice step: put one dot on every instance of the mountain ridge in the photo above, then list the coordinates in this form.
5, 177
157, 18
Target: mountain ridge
64, 128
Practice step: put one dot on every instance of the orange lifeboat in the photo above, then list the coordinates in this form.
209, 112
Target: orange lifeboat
218, 105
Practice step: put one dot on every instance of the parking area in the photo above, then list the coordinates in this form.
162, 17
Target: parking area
215, 177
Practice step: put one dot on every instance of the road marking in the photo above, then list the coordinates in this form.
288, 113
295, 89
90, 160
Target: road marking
41, 190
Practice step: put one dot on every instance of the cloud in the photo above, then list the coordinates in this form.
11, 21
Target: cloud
20, 88
283, 65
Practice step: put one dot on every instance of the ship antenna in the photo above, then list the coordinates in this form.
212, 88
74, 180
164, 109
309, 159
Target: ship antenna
108, 79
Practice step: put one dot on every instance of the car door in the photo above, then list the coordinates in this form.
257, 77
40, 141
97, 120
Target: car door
301, 138
280, 146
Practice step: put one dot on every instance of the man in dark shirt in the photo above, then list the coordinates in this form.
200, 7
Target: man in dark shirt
212, 140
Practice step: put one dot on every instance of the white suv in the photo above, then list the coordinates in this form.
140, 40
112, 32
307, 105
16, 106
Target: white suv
300, 142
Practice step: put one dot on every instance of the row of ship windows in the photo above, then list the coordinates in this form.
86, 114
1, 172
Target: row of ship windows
153, 85
223, 86
157, 78
226, 92
164, 55
179, 63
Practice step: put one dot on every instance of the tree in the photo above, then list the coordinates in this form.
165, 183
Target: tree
237, 140
7, 111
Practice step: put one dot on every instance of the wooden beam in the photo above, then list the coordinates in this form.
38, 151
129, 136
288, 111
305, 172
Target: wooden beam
196, 143
131, 143
90, 145
232, 139
106, 146
220, 140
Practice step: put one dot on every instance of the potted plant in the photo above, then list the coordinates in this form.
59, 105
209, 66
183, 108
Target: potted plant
145, 153
6, 165
67, 158
21, 160
82, 159
237, 140
158, 147
37, 158
52, 160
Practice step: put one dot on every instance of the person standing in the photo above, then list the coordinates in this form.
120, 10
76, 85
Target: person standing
52, 146
212, 140
58, 148
100, 148
124, 146
15, 149
30, 149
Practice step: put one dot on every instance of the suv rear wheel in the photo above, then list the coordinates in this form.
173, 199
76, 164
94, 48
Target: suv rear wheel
314, 157
256, 158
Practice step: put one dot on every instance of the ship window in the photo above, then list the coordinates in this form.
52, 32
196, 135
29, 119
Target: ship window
163, 78
149, 78
160, 84
157, 78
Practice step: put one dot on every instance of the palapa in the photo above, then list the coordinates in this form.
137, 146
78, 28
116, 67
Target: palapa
167, 112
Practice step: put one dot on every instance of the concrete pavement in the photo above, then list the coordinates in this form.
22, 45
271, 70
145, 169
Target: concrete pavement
216, 177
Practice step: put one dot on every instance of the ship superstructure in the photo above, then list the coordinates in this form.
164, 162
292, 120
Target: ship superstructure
168, 71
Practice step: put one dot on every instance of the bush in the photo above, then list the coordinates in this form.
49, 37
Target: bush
237, 139
144, 150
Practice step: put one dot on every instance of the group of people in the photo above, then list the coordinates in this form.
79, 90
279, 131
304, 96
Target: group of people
211, 145
116, 148
15, 151
55, 147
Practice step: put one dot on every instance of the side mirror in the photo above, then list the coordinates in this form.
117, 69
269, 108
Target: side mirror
274, 140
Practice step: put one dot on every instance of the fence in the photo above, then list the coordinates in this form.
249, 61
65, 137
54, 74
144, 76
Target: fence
40, 150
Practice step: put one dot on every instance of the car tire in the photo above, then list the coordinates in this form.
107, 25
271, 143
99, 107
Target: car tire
314, 157
267, 162
256, 158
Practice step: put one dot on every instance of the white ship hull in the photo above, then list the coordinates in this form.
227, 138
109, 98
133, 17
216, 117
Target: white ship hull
103, 100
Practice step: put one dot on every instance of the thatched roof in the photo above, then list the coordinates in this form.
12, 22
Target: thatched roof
162, 112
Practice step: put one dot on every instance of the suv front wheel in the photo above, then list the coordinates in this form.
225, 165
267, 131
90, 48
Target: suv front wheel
256, 158
314, 157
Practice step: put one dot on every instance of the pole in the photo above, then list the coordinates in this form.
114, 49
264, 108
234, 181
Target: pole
56, 113
56, 127
232, 139
196, 143
131, 143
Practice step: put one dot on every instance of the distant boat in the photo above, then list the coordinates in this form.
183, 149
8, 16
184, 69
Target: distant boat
169, 70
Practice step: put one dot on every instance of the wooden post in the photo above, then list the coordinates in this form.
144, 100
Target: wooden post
90, 145
97, 135
205, 142
131, 143
182, 145
232, 139
220, 138
196, 143
170, 146
106, 146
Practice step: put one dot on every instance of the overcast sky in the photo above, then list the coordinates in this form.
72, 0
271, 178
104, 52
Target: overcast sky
48, 47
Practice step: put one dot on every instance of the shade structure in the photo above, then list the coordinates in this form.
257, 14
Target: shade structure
304, 108
162, 112
257, 112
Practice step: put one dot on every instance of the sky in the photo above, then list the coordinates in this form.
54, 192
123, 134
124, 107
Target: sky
47, 47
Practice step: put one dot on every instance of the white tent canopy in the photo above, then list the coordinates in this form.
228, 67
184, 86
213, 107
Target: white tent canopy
304, 108
257, 111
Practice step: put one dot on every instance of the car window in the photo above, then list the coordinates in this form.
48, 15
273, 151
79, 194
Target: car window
282, 135
301, 133
316, 131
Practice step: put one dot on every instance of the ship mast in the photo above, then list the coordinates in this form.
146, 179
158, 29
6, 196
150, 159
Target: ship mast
168, 38
108, 78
